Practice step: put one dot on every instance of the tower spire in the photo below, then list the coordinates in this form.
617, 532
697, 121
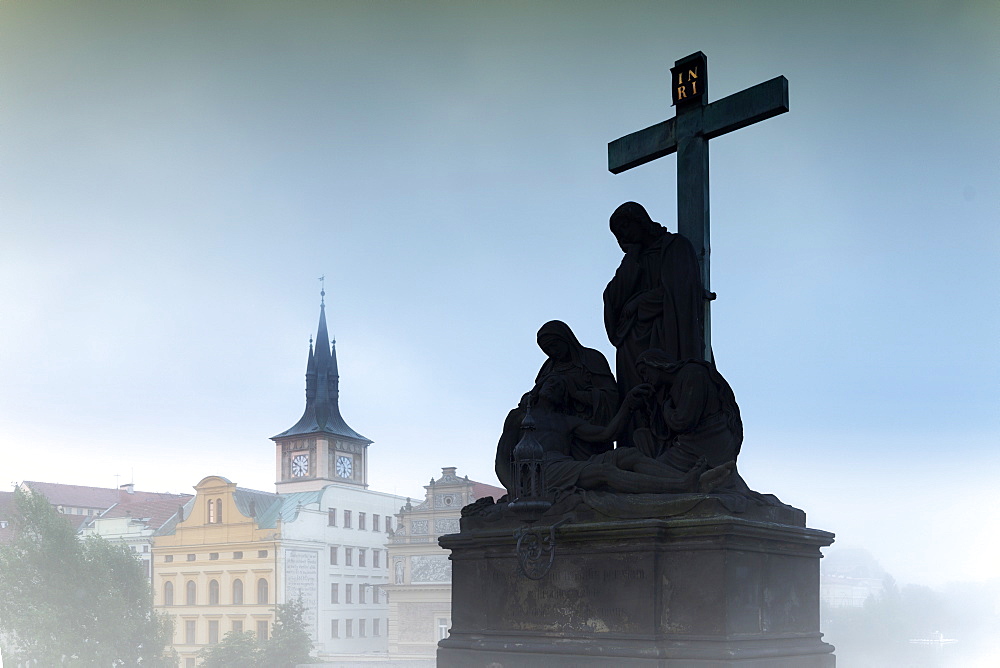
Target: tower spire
322, 412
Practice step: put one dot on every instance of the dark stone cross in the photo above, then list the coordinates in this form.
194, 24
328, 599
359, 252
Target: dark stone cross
687, 134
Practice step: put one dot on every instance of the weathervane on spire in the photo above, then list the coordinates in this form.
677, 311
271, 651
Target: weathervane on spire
322, 290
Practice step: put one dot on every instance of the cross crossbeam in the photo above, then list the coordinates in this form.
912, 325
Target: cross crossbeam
729, 114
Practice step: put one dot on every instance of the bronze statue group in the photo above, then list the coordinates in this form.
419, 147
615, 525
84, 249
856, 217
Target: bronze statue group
669, 423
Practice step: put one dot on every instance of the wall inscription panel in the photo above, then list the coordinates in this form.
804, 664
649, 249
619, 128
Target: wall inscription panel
302, 579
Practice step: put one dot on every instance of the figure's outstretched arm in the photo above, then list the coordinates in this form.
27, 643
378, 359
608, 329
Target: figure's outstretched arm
594, 434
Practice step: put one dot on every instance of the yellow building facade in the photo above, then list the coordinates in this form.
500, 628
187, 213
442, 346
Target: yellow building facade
215, 565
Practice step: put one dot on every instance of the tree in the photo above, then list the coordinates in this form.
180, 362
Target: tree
289, 644
66, 602
238, 649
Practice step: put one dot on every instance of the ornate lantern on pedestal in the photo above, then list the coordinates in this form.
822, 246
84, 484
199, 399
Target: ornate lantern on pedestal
536, 547
530, 494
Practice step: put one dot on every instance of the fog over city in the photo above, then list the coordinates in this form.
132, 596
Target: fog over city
175, 177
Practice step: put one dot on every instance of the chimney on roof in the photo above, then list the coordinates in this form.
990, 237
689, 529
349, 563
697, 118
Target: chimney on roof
128, 488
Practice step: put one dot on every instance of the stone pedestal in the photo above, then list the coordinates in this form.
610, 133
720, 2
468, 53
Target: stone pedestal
705, 588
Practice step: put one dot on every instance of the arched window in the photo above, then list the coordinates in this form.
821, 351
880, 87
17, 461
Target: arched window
262, 591
168, 593
211, 512
192, 592
218, 511
213, 592
237, 592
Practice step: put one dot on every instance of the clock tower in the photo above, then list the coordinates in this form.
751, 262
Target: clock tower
321, 449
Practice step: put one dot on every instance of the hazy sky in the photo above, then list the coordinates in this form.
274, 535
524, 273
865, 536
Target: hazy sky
174, 176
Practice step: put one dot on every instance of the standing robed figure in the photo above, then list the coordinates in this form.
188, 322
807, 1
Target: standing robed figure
656, 298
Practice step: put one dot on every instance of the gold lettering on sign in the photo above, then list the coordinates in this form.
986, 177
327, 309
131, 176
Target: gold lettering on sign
687, 84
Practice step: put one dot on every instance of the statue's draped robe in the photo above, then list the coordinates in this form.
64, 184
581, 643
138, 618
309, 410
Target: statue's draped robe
592, 390
698, 417
655, 300
593, 397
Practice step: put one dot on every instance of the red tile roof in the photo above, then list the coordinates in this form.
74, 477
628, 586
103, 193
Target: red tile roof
481, 490
157, 507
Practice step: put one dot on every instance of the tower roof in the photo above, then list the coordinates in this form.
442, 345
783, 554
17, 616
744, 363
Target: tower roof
322, 413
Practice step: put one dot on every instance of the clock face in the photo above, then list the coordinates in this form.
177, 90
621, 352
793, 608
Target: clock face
345, 466
300, 465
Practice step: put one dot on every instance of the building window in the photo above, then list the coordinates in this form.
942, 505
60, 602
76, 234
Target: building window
331, 519
218, 511
238, 626
262, 591
376, 630
333, 555
375, 557
348, 593
213, 592
374, 522
347, 519
361, 628
361, 556
168, 593
213, 631
168, 558
362, 592
262, 554
211, 512
237, 592
388, 524
237, 555
334, 628
348, 556
145, 549
213, 556
262, 630
192, 592
190, 557
443, 625
189, 632
361, 521
334, 593
349, 628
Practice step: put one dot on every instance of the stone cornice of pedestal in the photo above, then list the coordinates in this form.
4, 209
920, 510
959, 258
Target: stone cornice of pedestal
680, 533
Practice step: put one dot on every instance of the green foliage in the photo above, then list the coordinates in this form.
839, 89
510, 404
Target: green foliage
238, 649
66, 602
289, 643
288, 646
